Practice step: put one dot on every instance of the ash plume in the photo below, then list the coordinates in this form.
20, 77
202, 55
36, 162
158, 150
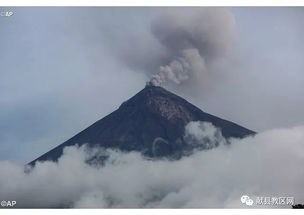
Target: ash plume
192, 41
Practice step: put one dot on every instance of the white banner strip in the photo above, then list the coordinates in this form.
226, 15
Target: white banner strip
149, 212
151, 3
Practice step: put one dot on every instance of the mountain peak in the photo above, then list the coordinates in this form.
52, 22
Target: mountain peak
159, 101
152, 122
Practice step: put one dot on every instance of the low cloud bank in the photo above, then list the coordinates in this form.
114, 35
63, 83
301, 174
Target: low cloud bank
267, 164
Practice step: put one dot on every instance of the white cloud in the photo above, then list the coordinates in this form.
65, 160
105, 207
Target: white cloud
268, 164
203, 134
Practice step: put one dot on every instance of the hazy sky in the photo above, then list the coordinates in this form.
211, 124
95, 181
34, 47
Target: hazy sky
64, 68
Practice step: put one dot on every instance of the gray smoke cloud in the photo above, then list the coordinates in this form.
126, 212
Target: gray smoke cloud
267, 164
203, 134
192, 40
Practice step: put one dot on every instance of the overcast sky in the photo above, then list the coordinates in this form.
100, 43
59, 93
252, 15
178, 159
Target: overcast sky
64, 68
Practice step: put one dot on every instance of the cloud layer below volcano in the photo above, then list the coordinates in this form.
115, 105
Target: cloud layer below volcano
268, 164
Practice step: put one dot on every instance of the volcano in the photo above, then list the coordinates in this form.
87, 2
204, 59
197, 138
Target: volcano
151, 122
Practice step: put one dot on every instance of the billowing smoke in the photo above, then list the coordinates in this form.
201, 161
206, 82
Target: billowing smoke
203, 135
269, 164
192, 39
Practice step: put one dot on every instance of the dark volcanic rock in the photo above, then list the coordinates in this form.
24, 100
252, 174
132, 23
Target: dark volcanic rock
152, 122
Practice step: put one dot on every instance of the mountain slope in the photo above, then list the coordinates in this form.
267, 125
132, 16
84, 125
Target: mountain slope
152, 122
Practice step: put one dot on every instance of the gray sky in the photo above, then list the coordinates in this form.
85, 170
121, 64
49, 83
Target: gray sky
62, 69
